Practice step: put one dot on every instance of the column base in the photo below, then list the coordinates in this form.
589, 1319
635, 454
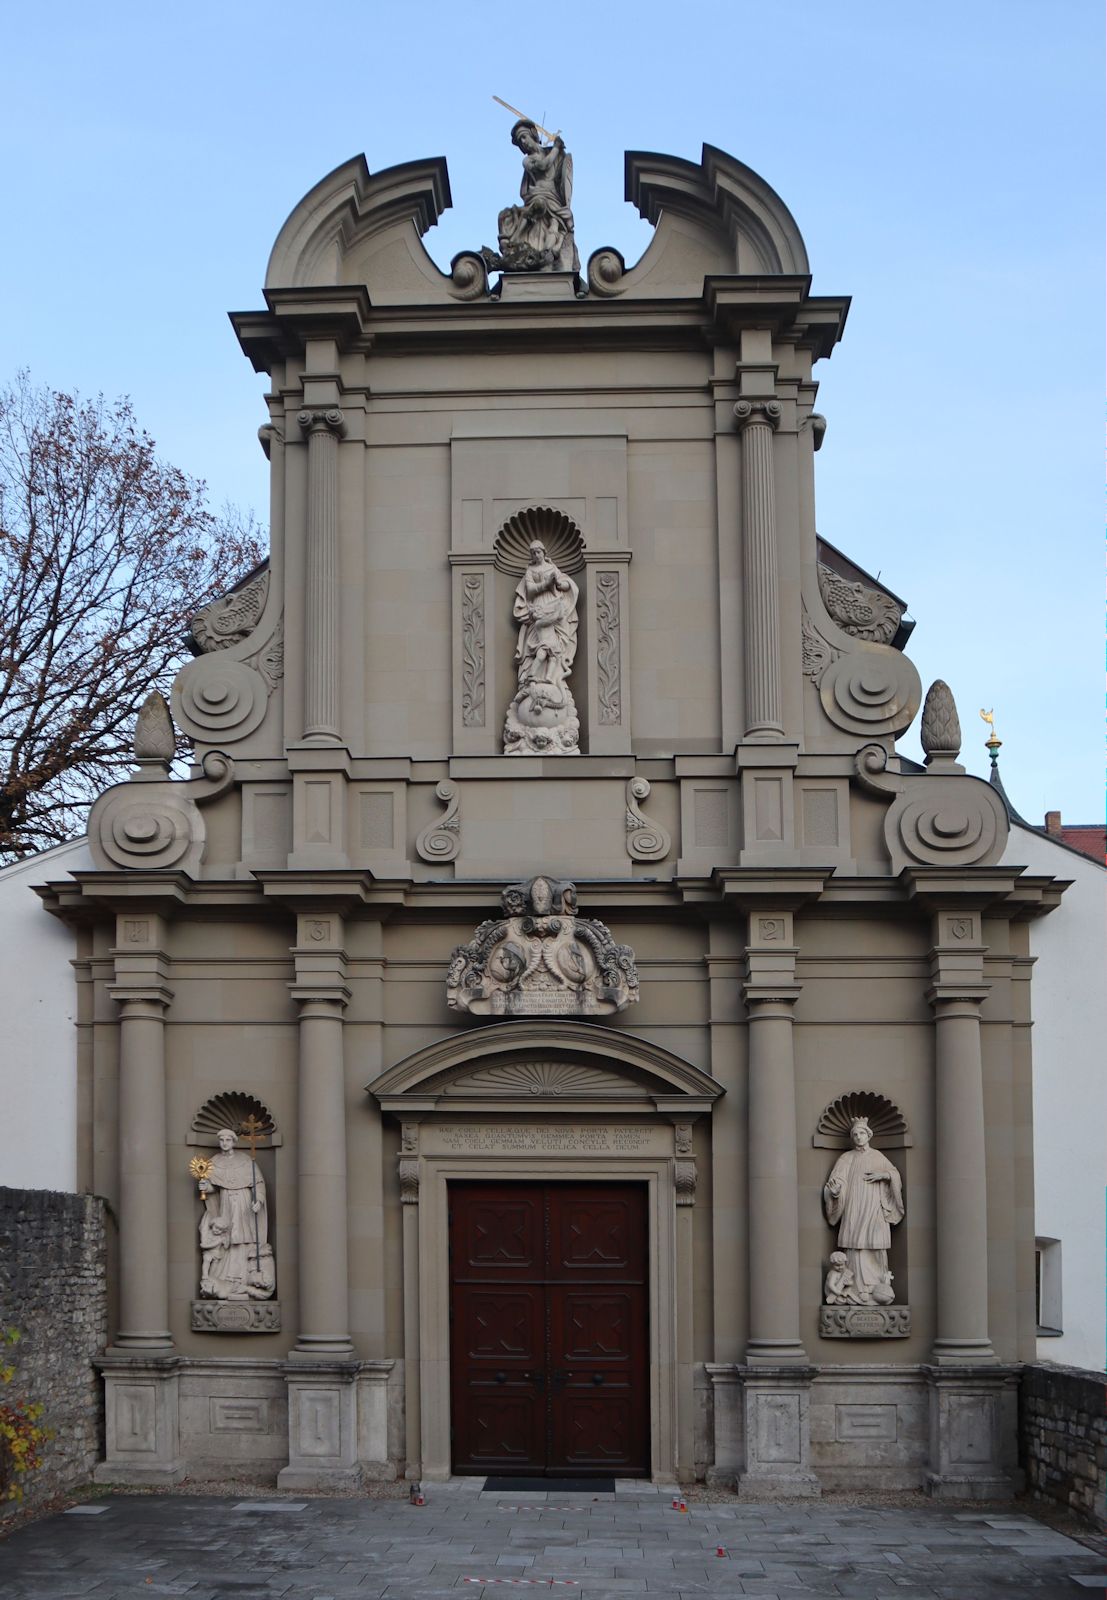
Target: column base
973, 1432
772, 1353
142, 1419
322, 1424
963, 1353
777, 1415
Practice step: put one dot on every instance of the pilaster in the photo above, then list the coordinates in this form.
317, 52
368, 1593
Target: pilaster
956, 994
323, 426
321, 1372
140, 1370
757, 420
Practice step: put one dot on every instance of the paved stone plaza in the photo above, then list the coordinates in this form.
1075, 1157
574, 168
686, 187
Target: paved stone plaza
465, 1541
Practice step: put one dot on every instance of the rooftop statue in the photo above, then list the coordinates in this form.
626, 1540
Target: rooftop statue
538, 235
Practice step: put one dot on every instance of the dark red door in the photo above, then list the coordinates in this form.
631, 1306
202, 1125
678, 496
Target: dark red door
548, 1330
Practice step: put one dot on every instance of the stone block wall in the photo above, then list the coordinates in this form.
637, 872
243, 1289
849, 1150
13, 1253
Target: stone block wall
1063, 1438
53, 1289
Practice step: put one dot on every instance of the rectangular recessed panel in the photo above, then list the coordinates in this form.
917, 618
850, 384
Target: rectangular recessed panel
820, 817
864, 1422
709, 809
377, 820
239, 1416
768, 802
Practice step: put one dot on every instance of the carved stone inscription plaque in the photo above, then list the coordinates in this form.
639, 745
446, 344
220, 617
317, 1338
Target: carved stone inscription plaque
543, 1139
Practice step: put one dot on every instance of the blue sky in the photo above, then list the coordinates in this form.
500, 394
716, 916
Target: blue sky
942, 161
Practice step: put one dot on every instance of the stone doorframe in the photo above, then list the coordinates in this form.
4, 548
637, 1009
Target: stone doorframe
547, 1100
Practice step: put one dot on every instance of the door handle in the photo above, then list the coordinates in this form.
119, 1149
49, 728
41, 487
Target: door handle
500, 1377
537, 1378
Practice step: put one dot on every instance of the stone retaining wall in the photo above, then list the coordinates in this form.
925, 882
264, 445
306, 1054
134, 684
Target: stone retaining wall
52, 1288
1063, 1438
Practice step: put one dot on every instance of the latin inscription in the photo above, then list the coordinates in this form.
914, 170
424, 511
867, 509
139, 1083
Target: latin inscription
540, 1139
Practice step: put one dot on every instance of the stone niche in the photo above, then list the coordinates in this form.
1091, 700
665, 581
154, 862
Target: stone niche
250, 1306
864, 1201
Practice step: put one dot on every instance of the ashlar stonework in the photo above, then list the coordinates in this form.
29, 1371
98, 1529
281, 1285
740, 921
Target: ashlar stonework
622, 966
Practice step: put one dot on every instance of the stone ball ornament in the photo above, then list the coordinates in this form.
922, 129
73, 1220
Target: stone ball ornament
218, 700
871, 691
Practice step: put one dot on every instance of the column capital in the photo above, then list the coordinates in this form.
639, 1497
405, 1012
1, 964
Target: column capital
767, 413
322, 419
137, 1002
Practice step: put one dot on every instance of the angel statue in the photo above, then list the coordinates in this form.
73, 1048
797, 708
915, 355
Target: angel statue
538, 235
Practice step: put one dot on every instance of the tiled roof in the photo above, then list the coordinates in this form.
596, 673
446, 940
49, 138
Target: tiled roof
1089, 838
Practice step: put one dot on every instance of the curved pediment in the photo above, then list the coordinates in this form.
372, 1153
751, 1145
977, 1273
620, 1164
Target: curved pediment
568, 1065
716, 216
358, 227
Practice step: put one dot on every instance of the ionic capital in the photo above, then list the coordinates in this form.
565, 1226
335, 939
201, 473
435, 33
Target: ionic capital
328, 420
767, 413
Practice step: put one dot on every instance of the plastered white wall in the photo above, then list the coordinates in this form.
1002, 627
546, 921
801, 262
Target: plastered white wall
38, 1039
1069, 1008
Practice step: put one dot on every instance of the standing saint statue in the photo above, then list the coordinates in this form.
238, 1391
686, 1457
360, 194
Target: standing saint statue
237, 1260
542, 718
864, 1196
538, 235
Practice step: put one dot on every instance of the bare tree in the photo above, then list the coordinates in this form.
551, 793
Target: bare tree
106, 551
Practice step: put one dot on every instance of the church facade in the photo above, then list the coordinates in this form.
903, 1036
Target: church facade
551, 1031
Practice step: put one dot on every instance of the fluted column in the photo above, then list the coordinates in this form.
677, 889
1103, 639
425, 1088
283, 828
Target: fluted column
321, 993
323, 428
957, 993
756, 421
770, 993
143, 996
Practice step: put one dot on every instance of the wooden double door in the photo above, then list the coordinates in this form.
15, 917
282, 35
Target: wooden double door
549, 1337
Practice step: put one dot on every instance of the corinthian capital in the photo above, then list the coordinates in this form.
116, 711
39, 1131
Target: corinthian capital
328, 419
765, 412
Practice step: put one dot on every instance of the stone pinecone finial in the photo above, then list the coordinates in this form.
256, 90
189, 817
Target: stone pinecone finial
941, 729
154, 738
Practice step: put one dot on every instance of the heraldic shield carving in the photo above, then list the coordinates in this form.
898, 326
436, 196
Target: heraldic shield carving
541, 959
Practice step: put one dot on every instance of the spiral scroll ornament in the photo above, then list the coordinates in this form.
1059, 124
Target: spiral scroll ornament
874, 691
606, 271
146, 826
646, 840
441, 841
946, 822
218, 700
468, 276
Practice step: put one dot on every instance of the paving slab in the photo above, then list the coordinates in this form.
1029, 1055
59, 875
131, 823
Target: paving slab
465, 1542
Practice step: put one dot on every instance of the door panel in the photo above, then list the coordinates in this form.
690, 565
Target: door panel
548, 1328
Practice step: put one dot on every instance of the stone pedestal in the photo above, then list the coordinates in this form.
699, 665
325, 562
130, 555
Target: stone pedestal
142, 1420
726, 1396
777, 1415
973, 1432
322, 1426
375, 1457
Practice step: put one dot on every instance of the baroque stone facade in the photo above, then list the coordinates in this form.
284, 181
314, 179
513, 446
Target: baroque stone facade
609, 992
